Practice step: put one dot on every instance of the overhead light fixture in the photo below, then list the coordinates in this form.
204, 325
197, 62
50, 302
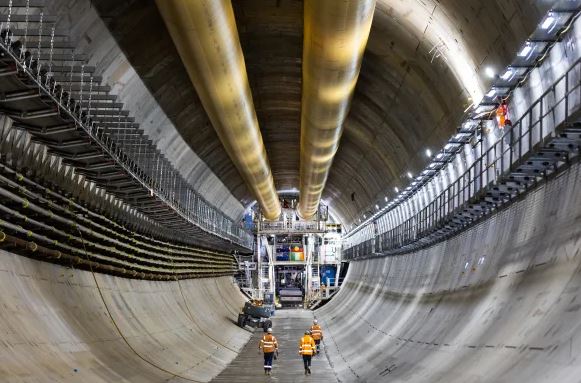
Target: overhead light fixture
396, 189
491, 93
364, 216
489, 72
548, 22
469, 126
376, 207
506, 76
527, 49
386, 199
428, 152
410, 176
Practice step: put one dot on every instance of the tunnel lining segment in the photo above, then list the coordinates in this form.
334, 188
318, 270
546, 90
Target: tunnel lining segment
495, 302
118, 329
55, 325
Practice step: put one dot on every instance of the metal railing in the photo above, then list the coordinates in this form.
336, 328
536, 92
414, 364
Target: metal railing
35, 54
281, 227
504, 161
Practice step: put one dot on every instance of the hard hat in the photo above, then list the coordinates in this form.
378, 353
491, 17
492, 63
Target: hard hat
269, 330
315, 321
308, 332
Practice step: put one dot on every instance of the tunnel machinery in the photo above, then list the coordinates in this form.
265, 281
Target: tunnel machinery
298, 262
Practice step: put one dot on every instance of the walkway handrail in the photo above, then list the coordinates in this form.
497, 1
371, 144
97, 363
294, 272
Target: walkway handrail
151, 169
548, 114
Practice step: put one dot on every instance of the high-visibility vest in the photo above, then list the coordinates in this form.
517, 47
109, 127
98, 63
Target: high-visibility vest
502, 115
317, 332
307, 345
268, 343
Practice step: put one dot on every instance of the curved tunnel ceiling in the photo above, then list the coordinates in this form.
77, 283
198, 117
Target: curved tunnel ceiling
422, 68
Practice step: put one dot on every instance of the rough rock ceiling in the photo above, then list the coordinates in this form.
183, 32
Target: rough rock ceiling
410, 95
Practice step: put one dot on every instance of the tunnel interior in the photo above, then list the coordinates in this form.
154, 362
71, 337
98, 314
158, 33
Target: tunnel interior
454, 192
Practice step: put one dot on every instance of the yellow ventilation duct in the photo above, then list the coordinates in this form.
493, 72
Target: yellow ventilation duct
335, 35
205, 35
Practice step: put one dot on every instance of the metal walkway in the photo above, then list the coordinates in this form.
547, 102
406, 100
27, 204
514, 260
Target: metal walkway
71, 116
542, 142
288, 326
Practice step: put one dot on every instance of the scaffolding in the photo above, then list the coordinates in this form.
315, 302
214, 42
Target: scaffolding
277, 240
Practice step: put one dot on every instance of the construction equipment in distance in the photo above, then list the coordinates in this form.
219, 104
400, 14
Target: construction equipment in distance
256, 314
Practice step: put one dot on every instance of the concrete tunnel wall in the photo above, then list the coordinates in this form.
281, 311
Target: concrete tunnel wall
64, 325
497, 303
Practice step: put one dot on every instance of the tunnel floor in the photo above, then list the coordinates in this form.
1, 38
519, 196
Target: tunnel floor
288, 327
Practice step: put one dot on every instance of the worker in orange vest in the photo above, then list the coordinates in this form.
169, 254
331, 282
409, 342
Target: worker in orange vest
317, 334
502, 115
268, 345
307, 349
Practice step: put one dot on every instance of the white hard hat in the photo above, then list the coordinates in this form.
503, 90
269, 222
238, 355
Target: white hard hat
315, 321
269, 331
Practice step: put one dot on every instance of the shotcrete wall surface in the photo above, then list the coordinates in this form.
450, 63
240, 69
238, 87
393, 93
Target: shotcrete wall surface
60, 324
499, 303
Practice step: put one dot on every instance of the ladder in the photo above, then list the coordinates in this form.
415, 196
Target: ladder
265, 267
315, 278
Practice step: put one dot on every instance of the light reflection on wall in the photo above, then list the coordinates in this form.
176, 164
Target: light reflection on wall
428, 21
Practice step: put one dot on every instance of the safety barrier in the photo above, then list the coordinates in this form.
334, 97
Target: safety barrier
542, 141
280, 227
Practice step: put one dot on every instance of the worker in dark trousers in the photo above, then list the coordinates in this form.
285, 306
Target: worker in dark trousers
317, 334
307, 349
269, 346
